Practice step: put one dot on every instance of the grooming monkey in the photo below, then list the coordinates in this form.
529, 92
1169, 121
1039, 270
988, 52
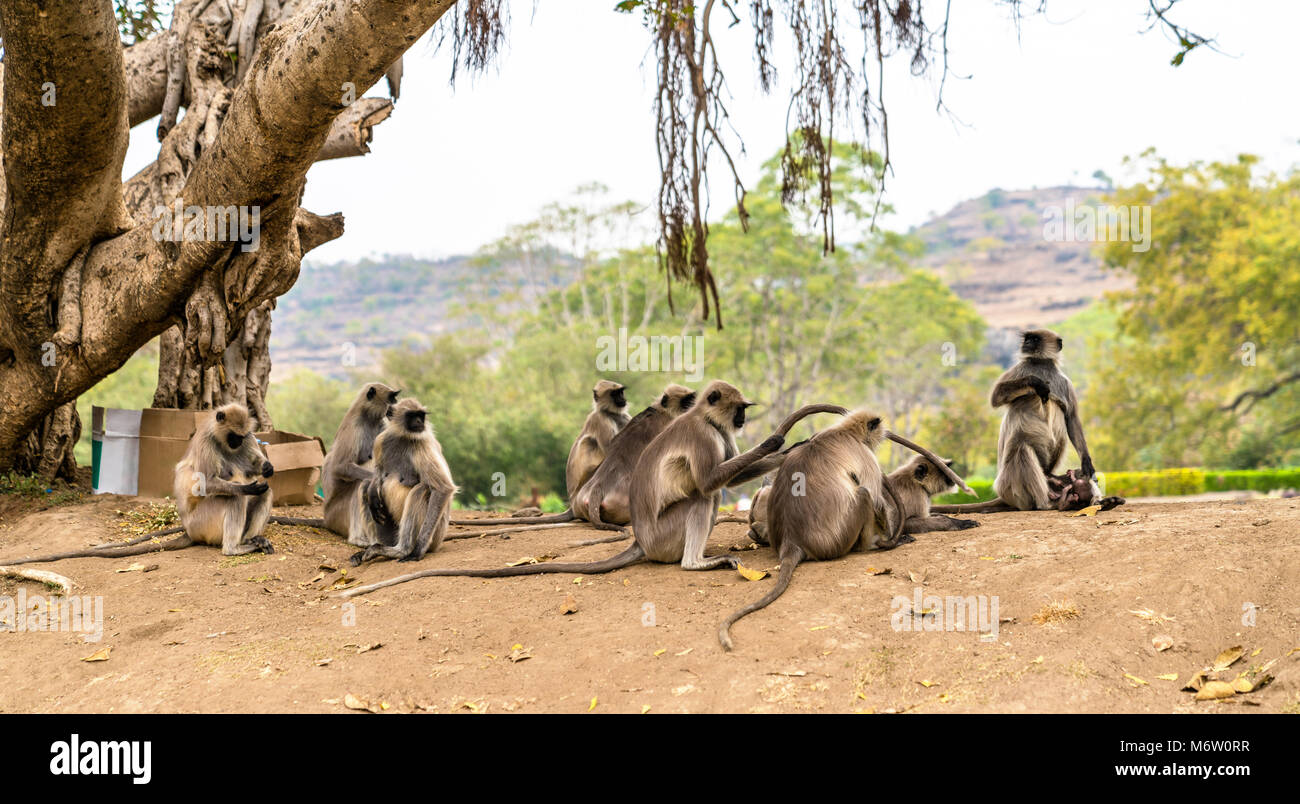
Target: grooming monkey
674, 490
405, 507
347, 466
604, 497
1042, 414
608, 416
220, 490
830, 498
602, 500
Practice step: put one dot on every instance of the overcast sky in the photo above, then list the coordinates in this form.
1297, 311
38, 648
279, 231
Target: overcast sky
570, 101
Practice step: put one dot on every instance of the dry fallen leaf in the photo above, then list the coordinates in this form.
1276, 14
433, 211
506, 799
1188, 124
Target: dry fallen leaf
100, 655
1227, 658
1039, 660
683, 653
132, 568
1162, 642
661, 651
1089, 511
570, 605
1195, 683
926, 683
750, 574
1214, 690
1168, 676
593, 703
1137, 682
1243, 684
875, 571
530, 560
918, 577
645, 708
353, 702
519, 653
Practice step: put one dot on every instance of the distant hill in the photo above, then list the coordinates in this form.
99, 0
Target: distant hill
358, 309
992, 251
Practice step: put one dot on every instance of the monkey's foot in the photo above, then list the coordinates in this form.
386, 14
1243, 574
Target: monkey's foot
966, 524
905, 538
410, 557
356, 558
262, 543
1110, 502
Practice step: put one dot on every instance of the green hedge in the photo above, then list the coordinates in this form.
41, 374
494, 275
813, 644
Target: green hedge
1167, 483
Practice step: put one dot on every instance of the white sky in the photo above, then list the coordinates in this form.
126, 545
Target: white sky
570, 102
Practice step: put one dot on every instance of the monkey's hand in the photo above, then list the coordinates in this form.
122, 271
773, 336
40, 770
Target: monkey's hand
1041, 388
375, 504
1088, 470
254, 488
267, 469
771, 444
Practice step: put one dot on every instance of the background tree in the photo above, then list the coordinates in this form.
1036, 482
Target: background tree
1206, 361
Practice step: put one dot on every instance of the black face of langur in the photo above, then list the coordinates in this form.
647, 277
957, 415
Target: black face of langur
413, 420
232, 427
1041, 344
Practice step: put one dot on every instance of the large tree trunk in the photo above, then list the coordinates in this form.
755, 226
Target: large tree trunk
84, 281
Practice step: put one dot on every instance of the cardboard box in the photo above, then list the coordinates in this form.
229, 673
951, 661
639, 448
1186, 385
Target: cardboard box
136, 452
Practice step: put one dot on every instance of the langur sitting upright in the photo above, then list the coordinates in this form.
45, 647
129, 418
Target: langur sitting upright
220, 487
608, 416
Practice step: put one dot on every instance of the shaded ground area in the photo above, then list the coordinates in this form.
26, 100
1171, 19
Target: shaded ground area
206, 633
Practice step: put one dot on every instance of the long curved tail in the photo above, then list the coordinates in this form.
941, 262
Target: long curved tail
626, 558
566, 516
791, 555
297, 520
108, 552
994, 506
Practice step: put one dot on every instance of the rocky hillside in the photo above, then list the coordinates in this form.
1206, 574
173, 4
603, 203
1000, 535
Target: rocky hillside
992, 251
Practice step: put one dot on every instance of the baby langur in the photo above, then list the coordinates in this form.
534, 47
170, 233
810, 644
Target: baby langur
608, 416
912, 485
220, 490
407, 504
675, 490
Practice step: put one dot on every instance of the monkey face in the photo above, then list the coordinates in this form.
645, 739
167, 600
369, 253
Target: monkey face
618, 399
234, 440
231, 425
1041, 343
408, 415
414, 421
724, 405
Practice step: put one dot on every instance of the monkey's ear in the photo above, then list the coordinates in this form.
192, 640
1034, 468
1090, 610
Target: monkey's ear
920, 471
874, 423
392, 397
663, 401
370, 392
948, 463
714, 397
1060, 344
221, 415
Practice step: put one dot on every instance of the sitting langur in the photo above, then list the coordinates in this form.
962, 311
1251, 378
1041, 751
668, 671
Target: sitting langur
602, 500
405, 507
911, 486
675, 490
608, 416
1042, 414
830, 498
220, 490
347, 466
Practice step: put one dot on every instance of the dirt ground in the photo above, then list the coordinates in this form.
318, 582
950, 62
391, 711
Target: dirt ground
206, 633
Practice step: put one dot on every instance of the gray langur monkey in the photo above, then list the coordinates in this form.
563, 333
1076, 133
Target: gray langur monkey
675, 490
912, 485
220, 490
405, 507
1042, 415
830, 498
608, 416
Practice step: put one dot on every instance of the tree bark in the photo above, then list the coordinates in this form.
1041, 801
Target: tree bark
72, 228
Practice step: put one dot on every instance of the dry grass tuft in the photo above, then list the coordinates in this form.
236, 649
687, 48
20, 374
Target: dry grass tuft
1058, 611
